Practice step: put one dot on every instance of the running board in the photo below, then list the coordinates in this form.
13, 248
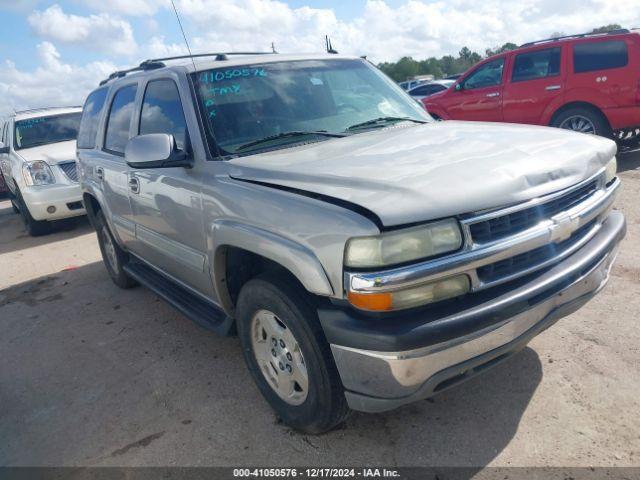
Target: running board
204, 313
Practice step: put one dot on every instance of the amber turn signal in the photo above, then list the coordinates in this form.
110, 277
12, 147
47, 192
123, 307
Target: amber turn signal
375, 302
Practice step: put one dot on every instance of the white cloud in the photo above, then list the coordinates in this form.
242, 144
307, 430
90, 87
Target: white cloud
417, 28
53, 83
156, 47
102, 32
126, 7
383, 32
20, 6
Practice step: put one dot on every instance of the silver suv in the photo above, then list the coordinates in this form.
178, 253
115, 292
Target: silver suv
37, 159
366, 256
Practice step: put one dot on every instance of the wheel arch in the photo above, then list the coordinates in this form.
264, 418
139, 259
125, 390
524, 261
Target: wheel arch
241, 252
91, 205
578, 104
436, 111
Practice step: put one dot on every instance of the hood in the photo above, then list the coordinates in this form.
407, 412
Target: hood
52, 153
435, 170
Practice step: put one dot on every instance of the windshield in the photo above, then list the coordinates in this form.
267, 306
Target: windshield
33, 132
258, 106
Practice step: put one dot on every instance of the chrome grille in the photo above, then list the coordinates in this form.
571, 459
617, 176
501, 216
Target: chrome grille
70, 170
561, 224
503, 226
532, 259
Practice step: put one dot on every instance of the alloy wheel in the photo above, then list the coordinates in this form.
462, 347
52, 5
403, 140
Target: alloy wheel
579, 123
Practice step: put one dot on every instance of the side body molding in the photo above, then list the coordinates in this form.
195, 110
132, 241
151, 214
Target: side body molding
296, 258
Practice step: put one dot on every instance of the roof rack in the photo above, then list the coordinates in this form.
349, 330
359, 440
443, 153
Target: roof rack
581, 35
140, 68
155, 63
220, 56
43, 109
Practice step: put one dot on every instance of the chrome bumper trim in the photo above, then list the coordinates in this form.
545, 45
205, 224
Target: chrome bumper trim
554, 230
378, 381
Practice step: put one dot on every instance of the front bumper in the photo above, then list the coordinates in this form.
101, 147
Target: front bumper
446, 349
66, 199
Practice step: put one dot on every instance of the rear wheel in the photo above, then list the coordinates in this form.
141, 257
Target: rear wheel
113, 256
35, 228
289, 358
583, 120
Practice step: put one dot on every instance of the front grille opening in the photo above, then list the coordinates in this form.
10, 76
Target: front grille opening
70, 170
516, 222
505, 268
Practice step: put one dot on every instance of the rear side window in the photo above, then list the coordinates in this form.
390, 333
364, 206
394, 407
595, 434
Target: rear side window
162, 111
119, 121
538, 64
90, 118
588, 57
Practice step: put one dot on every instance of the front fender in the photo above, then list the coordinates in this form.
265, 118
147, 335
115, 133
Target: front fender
296, 258
436, 110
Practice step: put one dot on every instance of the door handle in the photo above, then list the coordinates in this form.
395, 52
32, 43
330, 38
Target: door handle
134, 185
553, 87
100, 173
494, 94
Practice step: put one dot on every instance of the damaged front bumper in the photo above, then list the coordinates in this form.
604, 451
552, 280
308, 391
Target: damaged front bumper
390, 361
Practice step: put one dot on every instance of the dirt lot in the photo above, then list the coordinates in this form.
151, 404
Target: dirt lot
92, 375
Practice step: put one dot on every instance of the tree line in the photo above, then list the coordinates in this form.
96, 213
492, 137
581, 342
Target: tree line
407, 67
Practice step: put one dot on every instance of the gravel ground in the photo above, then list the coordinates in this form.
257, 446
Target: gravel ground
93, 376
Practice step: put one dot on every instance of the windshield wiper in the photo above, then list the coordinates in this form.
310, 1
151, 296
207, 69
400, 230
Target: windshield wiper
382, 121
295, 133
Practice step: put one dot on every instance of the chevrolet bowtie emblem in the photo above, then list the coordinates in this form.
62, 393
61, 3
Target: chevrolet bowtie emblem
562, 228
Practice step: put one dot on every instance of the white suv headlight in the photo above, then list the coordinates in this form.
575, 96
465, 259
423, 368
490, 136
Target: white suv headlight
403, 246
37, 173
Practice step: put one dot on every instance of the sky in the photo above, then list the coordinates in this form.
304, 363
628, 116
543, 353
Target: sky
55, 53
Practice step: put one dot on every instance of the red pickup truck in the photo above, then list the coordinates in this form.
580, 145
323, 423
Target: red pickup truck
589, 83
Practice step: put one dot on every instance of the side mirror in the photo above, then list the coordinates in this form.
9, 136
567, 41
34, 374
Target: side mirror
155, 150
458, 87
3, 150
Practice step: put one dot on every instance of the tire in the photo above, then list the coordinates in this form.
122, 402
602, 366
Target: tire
113, 256
583, 120
316, 407
35, 228
14, 206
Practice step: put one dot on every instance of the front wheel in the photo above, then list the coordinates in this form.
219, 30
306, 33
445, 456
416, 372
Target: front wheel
34, 227
113, 256
583, 120
289, 358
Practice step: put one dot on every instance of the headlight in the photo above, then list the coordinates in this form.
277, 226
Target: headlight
411, 297
37, 173
610, 171
403, 245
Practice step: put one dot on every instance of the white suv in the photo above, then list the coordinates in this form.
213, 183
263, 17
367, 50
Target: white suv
37, 158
